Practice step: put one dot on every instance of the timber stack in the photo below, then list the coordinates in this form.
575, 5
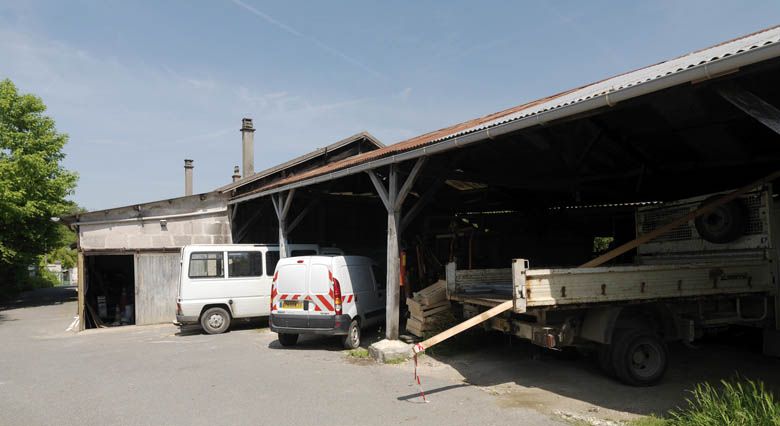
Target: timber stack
429, 310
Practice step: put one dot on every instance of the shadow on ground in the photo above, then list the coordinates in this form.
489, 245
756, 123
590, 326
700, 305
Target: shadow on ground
489, 359
328, 343
41, 297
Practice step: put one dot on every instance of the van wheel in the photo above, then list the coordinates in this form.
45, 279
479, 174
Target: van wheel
215, 320
639, 357
288, 339
352, 339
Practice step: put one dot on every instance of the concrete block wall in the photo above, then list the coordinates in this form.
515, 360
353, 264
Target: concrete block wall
212, 228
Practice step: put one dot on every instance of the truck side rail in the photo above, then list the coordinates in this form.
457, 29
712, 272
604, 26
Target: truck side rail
535, 288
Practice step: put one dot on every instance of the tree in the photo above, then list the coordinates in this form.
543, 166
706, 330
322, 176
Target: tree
33, 183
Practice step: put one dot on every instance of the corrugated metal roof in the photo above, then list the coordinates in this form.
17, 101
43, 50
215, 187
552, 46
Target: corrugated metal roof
601, 88
305, 157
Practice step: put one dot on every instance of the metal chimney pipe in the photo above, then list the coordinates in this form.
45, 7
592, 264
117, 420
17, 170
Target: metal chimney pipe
248, 146
236, 174
188, 177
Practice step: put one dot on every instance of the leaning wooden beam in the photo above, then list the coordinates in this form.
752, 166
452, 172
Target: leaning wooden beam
753, 106
606, 257
422, 202
505, 306
465, 325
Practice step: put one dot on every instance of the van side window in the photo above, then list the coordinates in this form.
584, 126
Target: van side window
295, 253
271, 259
206, 265
245, 264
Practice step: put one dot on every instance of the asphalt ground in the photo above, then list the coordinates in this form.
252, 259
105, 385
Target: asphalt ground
159, 375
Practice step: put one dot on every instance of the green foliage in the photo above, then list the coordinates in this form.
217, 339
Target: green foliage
33, 183
601, 244
737, 403
649, 421
358, 353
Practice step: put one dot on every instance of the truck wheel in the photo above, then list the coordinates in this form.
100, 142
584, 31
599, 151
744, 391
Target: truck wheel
639, 357
724, 224
288, 339
604, 357
215, 320
352, 339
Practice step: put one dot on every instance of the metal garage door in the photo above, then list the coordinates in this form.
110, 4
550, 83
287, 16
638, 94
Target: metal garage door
156, 287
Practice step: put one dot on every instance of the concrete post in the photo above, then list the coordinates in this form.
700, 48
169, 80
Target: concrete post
248, 146
188, 177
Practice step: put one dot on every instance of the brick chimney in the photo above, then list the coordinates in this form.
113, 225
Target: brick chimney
248, 146
188, 177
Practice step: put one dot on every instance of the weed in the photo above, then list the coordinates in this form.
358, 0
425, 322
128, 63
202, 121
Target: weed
358, 353
736, 402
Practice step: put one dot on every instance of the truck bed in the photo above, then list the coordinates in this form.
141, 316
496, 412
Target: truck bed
559, 287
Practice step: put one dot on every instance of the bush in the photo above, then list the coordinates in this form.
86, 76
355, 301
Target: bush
737, 403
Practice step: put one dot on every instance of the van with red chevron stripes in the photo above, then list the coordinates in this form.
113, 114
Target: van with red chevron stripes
329, 295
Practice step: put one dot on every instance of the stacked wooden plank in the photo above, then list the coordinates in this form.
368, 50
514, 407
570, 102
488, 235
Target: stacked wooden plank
429, 310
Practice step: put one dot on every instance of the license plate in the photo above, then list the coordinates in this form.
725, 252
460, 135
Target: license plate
292, 304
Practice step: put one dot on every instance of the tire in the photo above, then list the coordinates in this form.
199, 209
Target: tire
724, 224
288, 340
639, 357
604, 357
352, 339
215, 320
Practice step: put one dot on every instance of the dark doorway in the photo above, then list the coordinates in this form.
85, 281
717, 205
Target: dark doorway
110, 291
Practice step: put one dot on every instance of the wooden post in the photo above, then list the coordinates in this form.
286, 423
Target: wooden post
393, 199
282, 204
81, 291
392, 304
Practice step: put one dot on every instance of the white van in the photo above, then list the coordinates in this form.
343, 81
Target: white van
221, 282
332, 295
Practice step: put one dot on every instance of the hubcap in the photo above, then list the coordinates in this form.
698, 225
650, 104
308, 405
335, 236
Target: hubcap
216, 321
353, 334
646, 360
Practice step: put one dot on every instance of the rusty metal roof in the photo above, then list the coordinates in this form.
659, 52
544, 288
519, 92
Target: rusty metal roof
305, 157
604, 88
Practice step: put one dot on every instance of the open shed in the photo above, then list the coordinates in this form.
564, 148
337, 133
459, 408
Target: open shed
129, 256
544, 180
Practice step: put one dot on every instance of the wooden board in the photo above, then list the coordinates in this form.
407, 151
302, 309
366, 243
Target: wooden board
419, 313
465, 325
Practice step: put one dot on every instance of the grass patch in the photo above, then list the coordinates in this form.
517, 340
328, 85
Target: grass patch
360, 353
736, 402
651, 420
395, 361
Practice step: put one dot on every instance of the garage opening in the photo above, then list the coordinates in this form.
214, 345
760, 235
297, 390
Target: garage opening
110, 291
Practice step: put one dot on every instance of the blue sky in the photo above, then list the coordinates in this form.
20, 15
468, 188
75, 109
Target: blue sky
141, 85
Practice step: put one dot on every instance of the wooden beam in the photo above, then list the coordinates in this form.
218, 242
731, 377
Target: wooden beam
465, 325
409, 182
241, 233
287, 202
302, 214
275, 201
753, 106
380, 188
675, 223
421, 203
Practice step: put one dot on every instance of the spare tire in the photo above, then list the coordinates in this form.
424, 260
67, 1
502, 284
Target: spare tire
724, 224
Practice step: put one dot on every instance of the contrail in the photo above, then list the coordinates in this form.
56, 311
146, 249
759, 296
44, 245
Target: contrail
290, 30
